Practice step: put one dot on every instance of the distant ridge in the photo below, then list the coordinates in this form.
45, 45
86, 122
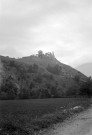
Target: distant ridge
86, 69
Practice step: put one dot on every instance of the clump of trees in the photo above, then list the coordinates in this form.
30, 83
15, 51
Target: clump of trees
54, 69
37, 88
86, 88
9, 89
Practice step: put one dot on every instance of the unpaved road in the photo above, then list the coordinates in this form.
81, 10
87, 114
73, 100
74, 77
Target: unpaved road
80, 124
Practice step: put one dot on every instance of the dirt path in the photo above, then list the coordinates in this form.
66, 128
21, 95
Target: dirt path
78, 125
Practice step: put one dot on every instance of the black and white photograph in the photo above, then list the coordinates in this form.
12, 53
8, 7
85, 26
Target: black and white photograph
45, 67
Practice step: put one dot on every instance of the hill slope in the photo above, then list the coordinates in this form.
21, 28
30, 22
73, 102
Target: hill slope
38, 76
48, 60
85, 69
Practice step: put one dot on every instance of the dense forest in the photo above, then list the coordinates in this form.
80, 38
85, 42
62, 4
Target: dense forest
41, 76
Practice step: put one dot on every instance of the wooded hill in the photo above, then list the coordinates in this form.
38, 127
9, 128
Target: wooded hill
38, 76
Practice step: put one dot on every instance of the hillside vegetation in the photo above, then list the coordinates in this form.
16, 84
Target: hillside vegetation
38, 76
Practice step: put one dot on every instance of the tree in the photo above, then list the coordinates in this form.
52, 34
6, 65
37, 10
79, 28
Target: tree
10, 88
25, 94
40, 54
73, 91
86, 88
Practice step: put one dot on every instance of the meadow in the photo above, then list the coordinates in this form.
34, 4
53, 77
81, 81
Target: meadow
28, 116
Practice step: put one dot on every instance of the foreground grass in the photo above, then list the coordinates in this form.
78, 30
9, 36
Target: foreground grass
21, 117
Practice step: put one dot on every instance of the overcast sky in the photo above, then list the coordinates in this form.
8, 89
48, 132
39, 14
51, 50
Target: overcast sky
62, 26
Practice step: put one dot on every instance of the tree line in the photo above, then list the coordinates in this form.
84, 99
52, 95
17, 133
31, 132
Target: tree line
10, 89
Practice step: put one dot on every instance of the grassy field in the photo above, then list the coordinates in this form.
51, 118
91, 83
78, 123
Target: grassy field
31, 115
